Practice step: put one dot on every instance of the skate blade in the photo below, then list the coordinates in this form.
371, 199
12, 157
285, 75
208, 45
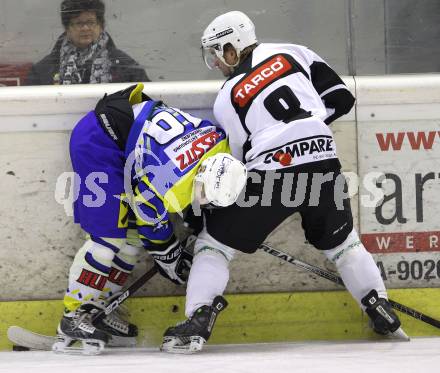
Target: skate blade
399, 334
117, 341
66, 345
176, 346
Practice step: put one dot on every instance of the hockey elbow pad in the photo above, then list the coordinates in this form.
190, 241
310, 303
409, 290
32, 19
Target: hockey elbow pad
115, 112
341, 101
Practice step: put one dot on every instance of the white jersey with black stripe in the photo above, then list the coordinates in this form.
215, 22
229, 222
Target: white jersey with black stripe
274, 106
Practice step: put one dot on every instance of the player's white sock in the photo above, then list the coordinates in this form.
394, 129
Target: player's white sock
357, 268
209, 273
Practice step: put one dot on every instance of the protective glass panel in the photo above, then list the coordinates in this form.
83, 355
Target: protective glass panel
143, 40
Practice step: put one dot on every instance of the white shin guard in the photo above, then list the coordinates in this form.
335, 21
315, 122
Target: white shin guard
357, 268
87, 277
209, 273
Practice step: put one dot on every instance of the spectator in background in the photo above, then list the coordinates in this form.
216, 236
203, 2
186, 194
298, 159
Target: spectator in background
85, 52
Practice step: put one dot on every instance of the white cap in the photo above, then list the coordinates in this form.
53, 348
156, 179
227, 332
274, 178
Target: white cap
233, 27
220, 180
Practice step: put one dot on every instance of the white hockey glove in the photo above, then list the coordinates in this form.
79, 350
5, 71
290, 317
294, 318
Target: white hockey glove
174, 262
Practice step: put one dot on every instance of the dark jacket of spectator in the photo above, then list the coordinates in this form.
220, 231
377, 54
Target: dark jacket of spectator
123, 67
85, 52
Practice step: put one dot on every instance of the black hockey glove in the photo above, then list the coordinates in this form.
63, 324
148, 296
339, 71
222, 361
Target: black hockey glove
173, 262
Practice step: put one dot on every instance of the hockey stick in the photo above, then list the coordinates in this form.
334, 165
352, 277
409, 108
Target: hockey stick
115, 303
337, 280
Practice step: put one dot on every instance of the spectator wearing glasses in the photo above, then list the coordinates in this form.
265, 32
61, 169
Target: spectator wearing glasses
85, 52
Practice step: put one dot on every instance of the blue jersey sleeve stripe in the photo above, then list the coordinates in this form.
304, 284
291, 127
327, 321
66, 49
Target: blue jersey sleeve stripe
145, 195
151, 187
143, 204
153, 233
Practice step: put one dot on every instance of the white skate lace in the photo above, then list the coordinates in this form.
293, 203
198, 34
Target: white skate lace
117, 319
81, 319
117, 323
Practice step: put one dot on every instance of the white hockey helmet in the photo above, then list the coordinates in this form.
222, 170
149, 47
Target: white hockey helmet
219, 181
233, 27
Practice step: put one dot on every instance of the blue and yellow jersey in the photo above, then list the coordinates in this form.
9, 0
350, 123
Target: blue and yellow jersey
164, 150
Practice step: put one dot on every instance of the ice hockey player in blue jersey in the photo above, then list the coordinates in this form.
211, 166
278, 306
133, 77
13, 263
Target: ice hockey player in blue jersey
275, 107
136, 160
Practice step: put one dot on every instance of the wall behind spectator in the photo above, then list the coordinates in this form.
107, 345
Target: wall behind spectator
356, 37
164, 36
412, 35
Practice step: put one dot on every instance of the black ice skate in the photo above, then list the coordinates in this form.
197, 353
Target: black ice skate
190, 335
384, 320
121, 333
77, 326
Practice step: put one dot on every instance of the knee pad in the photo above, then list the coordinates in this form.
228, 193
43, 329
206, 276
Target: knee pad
206, 243
351, 246
92, 256
128, 254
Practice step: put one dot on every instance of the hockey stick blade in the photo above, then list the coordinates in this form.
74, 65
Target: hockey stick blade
27, 338
337, 280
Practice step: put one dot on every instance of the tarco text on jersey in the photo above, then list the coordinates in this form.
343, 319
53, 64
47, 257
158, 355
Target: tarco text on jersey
279, 66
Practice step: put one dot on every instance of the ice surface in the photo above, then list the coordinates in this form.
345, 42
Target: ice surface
419, 355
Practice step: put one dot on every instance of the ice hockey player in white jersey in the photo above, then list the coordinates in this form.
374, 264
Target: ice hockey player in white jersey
275, 107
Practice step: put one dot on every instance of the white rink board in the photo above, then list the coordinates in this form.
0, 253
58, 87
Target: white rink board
35, 124
40, 240
419, 355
